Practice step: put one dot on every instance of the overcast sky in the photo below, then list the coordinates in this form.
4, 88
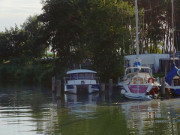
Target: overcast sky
17, 11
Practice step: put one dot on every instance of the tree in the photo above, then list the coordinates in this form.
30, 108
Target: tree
35, 40
84, 29
109, 36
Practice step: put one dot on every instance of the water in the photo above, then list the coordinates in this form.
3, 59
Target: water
32, 111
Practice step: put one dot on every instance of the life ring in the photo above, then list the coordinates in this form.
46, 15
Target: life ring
149, 80
178, 72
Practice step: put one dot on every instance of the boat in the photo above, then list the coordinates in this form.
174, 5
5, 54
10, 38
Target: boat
138, 82
81, 81
173, 81
173, 77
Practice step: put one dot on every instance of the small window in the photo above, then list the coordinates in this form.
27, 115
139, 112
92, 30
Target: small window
74, 76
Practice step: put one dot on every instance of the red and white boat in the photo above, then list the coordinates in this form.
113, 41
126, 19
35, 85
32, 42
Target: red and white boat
138, 83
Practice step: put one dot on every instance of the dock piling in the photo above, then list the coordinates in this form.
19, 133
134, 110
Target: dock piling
110, 89
58, 86
163, 86
102, 87
110, 84
53, 84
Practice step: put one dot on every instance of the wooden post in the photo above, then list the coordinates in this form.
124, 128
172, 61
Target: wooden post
165, 69
110, 84
53, 84
102, 87
103, 99
110, 89
163, 86
119, 79
58, 103
58, 86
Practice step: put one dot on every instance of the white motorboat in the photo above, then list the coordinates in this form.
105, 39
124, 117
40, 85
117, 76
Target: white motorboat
81, 81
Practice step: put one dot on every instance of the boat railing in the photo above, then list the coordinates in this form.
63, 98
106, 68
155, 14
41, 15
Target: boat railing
66, 79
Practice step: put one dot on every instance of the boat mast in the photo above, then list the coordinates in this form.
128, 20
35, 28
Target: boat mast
173, 31
137, 38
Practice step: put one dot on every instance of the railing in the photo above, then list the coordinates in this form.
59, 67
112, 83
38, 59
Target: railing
66, 79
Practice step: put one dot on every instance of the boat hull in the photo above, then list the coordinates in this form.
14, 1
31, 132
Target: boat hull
138, 96
175, 90
140, 92
78, 89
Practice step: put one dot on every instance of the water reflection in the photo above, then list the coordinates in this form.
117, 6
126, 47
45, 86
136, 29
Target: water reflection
88, 114
82, 105
35, 111
152, 117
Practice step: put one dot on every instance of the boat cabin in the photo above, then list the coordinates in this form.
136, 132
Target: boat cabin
81, 79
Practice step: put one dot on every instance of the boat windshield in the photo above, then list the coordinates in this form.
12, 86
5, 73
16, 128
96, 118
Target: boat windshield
137, 69
77, 76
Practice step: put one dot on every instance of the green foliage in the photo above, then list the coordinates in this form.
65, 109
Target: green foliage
101, 31
39, 72
24, 42
158, 75
85, 29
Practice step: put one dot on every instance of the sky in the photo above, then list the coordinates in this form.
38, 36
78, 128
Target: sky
17, 11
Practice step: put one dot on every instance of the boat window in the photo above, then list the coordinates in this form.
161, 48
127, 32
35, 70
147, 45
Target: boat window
133, 70
145, 70
176, 81
85, 76
74, 76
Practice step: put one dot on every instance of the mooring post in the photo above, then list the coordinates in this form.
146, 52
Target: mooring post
119, 79
103, 99
53, 84
110, 88
58, 86
58, 103
163, 92
110, 84
102, 87
165, 70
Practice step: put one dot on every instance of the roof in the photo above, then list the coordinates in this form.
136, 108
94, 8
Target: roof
80, 71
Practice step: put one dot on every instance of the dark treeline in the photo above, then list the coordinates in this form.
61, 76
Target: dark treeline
94, 33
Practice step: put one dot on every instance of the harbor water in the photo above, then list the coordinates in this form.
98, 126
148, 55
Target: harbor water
36, 110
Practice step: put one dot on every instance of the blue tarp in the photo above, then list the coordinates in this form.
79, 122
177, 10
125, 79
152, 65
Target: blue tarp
171, 74
177, 91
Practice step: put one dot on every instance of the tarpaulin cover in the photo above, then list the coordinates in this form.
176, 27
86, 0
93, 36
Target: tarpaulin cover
171, 74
